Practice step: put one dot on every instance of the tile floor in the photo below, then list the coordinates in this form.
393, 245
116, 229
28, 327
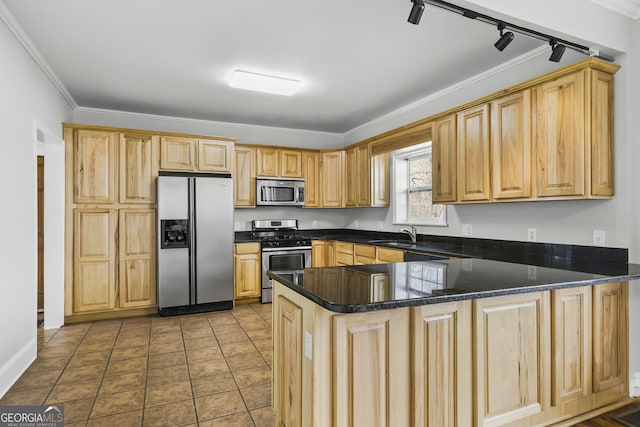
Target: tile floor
210, 369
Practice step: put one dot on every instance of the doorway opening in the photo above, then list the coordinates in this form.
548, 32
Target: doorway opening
40, 308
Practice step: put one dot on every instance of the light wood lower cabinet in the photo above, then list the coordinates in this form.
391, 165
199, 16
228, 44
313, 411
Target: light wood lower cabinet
518, 360
137, 258
247, 273
364, 254
319, 253
344, 253
387, 255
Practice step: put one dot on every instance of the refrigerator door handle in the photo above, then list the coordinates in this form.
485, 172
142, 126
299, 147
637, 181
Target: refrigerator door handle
192, 237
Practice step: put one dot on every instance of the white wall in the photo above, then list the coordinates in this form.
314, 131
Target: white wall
26, 95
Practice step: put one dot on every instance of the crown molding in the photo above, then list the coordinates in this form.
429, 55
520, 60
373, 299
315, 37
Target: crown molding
453, 88
185, 120
23, 38
630, 8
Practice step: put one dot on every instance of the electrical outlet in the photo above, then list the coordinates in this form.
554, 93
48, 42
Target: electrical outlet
380, 225
599, 237
236, 226
532, 272
466, 230
308, 345
356, 223
314, 224
532, 234
467, 264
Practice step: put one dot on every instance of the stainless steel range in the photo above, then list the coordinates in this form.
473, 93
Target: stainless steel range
282, 249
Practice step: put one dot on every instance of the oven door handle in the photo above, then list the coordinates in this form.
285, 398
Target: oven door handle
287, 249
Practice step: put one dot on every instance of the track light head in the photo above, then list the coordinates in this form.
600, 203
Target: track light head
416, 12
505, 38
557, 50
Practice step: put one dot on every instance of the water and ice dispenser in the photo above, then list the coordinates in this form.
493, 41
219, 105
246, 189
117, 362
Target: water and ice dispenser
174, 233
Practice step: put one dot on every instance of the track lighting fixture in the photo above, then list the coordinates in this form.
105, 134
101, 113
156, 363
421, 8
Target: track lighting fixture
557, 50
505, 38
558, 46
416, 12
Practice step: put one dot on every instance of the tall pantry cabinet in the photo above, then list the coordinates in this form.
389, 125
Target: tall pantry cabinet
111, 206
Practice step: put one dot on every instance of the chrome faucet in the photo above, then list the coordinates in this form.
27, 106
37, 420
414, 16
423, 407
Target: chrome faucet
411, 232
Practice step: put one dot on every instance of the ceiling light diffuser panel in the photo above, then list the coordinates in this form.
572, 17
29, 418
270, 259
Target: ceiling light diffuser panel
264, 83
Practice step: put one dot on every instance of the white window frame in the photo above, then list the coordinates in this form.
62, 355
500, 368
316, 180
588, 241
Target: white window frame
400, 186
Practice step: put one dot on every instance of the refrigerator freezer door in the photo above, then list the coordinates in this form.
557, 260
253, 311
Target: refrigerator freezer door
214, 239
173, 263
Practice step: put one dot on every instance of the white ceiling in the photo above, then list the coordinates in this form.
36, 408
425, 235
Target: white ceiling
358, 60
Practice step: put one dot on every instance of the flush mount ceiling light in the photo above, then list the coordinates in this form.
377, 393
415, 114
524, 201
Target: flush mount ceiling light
264, 83
505, 38
416, 12
558, 45
557, 50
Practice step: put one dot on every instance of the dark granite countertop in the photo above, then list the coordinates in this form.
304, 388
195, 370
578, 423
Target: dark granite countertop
385, 286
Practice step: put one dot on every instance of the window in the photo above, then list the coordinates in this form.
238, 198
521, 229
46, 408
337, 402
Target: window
412, 191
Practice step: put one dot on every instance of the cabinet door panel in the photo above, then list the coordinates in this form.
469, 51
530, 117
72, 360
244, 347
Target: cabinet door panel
371, 350
311, 175
94, 266
473, 154
601, 133
290, 164
289, 348
512, 357
94, 164
247, 273
442, 364
444, 160
138, 169
267, 162
560, 136
350, 177
137, 258
331, 171
363, 193
511, 144
177, 153
215, 156
380, 193
610, 336
571, 344
244, 177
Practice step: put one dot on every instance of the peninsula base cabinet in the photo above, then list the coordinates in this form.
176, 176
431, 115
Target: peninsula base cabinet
523, 360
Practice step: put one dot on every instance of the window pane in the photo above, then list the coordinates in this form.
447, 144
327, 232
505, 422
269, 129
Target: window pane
420, 172
420, 205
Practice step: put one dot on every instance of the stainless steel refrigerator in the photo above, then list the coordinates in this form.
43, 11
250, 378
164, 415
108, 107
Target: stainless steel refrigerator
195, 243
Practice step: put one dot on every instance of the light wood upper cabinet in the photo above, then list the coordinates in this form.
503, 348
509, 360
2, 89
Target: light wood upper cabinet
473, 154
560, 136
511, 145
601, 134
177, 153
311, 175
94, 259
350, 178
94, 167
138, 169
244, 177
371, 351
290, 164
380, 180
444, 157
215, 156
442, 364
247, 274
331, 172
512, 357
137, 257
267, 162
358, 176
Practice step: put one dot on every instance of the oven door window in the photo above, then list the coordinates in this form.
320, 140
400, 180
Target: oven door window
286, 262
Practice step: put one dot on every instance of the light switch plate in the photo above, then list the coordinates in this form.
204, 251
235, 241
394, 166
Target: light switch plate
532, 234
532, 272
308, 345
467, 264
314, 224
467, 230
599, 237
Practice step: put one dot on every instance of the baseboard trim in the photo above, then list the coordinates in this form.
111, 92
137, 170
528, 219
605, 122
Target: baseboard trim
108, 315
11, 371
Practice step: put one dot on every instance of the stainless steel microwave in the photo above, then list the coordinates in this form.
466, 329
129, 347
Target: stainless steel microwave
279, 191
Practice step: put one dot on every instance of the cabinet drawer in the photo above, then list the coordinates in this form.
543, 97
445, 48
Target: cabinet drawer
390, 255
365, 250
247, 248
344, 259
344, 247
360, 259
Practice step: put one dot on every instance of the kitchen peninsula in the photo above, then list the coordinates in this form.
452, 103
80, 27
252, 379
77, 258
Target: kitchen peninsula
458, 343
